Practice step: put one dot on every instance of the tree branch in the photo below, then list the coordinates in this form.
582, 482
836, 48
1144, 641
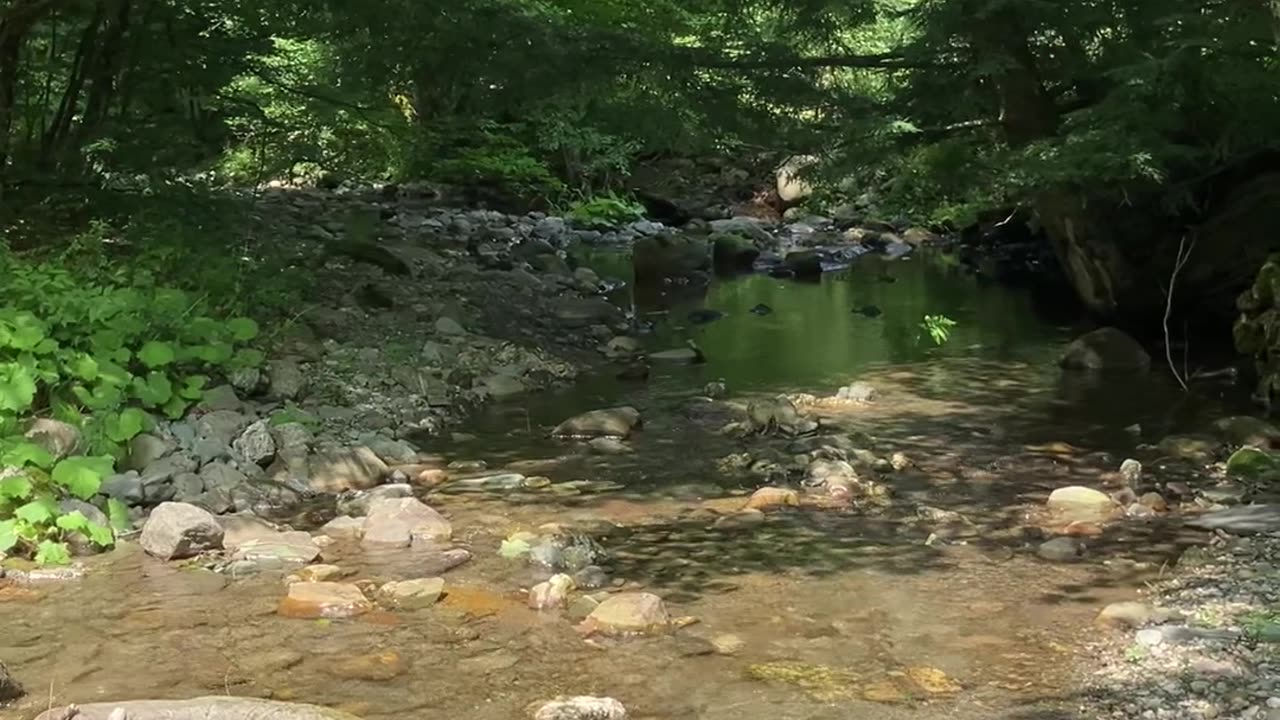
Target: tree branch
883, 61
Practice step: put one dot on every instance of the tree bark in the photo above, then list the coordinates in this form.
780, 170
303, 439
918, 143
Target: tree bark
1085, 247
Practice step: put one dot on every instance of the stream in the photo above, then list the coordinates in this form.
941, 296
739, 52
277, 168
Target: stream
811, 613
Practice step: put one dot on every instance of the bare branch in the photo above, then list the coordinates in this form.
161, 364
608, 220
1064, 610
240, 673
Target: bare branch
1184, 254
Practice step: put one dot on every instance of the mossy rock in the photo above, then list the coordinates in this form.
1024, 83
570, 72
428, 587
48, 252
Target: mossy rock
733, 252
1251, 463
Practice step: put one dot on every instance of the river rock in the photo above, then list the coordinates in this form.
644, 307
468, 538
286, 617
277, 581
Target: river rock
622, 347
255, 445
279, 549
629, 613
400, 521
1061, 549
412, 594
356, 502
1130, 472
125, 487
222, 425
1196, 448
613, 422
1253, 464
145, 450
1129, 614
1105, 349
733, 252
177, 530
221, 476
659, 257
767, 498
552, 594
324, 600
581, 708
359, 468
58, 438
501, 386
1081, 503
344, 528
1247, 430
286, 380
804, 263
219, 707
10, 688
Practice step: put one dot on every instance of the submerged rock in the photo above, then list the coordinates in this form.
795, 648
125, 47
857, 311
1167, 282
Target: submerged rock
552, 594
1061, 549
612, 422
1081, 503
412, 594
1245, 520
177, 530
324, 600
772, 497
1129, 614
629, 613
1247, 430
220, 707
1105, 349
581, 708
401, 521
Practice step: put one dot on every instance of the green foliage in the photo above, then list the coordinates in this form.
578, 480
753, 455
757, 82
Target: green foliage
608, 209
938, 327
106, 357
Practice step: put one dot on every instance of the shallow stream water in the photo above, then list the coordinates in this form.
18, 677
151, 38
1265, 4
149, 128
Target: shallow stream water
826, 610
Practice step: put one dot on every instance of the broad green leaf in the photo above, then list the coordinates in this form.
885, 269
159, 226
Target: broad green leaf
38, 511
27, 453
49, 552
17, 387
82, 475
47, 346
118, 515
74, 520
203, 328
106, 341
8, 535
193, 387
15, 487
156, 354
155, 390
84, 367
99, 535
175, 408
103, 397
111, 372
125, 425
27, 332
214, 353
247, 358
242, 329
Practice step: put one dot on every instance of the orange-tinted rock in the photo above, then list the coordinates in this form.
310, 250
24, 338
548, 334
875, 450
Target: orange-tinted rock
324, 600
772, 497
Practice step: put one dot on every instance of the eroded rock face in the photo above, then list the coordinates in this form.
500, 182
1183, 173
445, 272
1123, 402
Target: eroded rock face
1105, 349
177, 530
219, 707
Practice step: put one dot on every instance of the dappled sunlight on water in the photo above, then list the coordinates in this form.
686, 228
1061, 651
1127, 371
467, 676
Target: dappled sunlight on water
859, 595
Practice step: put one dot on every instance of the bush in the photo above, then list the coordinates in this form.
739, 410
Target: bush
107, 358
607, 209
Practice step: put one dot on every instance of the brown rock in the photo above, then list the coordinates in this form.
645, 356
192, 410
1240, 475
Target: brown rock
379, 667
629, 613
412, 594
772, 497
333, 471
324, 600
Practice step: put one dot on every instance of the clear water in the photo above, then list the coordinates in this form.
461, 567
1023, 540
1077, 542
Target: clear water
989, 421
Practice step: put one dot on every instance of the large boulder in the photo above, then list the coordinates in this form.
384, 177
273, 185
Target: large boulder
218, 707
790, 178
402, 521
659, 257
611, 422
1105, 349
335, 470
178, 530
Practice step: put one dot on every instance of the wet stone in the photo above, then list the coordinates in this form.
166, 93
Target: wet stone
400, 521
629, 613
324, 600
1061, 549
177, 530
412, 594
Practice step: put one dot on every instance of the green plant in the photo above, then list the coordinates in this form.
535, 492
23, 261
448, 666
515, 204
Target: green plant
105, 358
607, 209
1136, 653
938, 327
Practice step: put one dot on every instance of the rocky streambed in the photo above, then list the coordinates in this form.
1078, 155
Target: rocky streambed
478, 479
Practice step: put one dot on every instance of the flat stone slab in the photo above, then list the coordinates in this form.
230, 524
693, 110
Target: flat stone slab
1243, 520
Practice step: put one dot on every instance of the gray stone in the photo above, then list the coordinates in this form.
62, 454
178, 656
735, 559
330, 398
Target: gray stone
220, 707
59, 439
344, 528
178, 530
1244, 520
255, 445
356, 502
10, 688
449, 327
1061, 549
220, 399
677, 356
222, 425
187, 487
246, 381
412, 594
286, 380
627, 613
392, 452
144, 450
401, 521
581, 708
335, 470
622, 346
1105, 349
162, 471
613, 422
221, 476
502, 386
209, 450
125, 487
609, 446
278, 550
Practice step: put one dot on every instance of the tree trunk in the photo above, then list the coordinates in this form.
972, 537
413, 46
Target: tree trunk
15, 22
1085, 247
